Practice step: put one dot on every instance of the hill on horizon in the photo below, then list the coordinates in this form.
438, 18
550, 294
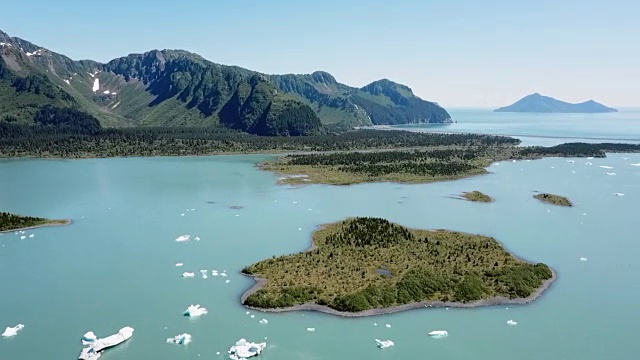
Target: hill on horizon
545, 104
180, 88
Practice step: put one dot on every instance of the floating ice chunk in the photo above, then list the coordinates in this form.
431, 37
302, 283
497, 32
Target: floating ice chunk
375, 324
223, 274
387, 325
573, 172
214, 273
590, 158
31, 236
311, 329
182, 339
193, 209
583, 259
227, 281
197, 238
611, 174
188, 274
106, 92
618, 194
299, 229
179, 264
195, 310
309, 209
264, 321
253, 316
570, 161
12, 331
88, 338
183, 238
182, 214
512, 323
605, 167
244, 349
382, 344
637, 164
237, 214
248, 312
438, 333
22, 237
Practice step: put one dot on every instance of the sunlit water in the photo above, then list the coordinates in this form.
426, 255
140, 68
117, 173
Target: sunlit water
115, 266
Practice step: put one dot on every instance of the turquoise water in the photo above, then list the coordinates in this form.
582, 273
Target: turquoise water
114, 266
544, 129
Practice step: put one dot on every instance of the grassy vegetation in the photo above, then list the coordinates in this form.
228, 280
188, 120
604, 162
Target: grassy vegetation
554, 199
368, 263
10, 221
477, 196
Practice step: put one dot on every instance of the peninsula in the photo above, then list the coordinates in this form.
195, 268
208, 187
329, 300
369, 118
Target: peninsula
554, 199
12, 222
477, 196
369, 266
536, 103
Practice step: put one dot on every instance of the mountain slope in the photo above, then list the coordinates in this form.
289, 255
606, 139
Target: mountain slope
544, 104
179, 88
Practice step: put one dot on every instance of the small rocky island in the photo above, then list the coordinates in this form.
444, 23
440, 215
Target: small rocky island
477, 196
12, 222
370, 266
554, 199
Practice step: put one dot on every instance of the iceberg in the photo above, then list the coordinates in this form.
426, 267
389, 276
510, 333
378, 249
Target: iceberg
512, 323
179, 264
605, 167
583, 259
244, 349
22, 237
89, 338
197, 238
618, 194
311, 329
195, 310
214, 273
264, 321
188, 274
636, 164
95, 348
12, 331
182, 339
611, 174
382, 344
227, 281
438, 333
31, 236
183, 238
223, 274
387, 325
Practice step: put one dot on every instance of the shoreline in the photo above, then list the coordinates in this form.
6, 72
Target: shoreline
64, 222
494, 301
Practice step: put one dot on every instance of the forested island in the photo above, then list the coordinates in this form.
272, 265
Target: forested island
451, 157
554, 199
368, 266
13, 222
477, 196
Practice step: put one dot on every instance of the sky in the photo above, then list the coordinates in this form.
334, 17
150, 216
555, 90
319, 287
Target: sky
485, 53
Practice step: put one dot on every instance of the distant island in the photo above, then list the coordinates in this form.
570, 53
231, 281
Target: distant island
477, 196
554, 199
536, 103
13, 222
370, 266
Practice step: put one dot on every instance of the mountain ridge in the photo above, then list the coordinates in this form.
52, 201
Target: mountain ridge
546, 104
180, 88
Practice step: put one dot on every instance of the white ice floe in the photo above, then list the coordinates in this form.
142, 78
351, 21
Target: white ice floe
214, 273
197, 238
511, 323
182, 214
618, 194
227, 281
311, 329
188, 274
96, 85
438, 333
570, 161
244, 349
12, 331
375, 324
182, 339
583, 259
382, 344
605, 167
387, 325
183, 238
611, 174
31, 236
179, 264
22, 237
252, 316
590, 158
89, 338
106, 92
195, 310
264, 321
223, 274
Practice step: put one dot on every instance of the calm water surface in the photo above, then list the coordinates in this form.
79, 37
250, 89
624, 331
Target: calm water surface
114, 266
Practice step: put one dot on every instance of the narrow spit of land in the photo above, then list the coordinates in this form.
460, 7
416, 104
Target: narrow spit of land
12, 222
369, 266
554, 199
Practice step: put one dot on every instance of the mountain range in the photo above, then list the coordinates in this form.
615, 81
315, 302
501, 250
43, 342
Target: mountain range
545, 104
171, 88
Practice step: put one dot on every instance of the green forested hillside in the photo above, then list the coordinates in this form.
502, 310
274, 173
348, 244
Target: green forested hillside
179, 88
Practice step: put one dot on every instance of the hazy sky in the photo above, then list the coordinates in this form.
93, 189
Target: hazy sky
459, 53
